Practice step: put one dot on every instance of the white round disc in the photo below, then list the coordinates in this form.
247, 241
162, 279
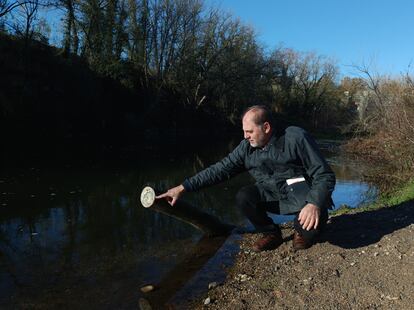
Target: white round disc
147, 197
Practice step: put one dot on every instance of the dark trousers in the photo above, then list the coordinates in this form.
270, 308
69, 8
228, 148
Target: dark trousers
253, 206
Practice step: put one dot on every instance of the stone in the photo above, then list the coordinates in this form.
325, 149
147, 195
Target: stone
147, 197
144, 304
244, 277
207, 301
147, 288
212, 285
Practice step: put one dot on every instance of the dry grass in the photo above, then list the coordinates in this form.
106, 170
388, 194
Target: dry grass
388, 132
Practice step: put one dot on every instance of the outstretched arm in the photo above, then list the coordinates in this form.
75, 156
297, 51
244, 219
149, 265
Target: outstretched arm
220, 171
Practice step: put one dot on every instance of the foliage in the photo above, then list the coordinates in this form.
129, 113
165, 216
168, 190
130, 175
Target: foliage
303, 86
384, 127
185, 65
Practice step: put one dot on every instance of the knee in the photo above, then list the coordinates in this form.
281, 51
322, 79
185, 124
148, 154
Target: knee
247, 198
246, 194
242, 195
311, 234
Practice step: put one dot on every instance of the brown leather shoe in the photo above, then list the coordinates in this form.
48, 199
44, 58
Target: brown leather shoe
299, 243
269, 241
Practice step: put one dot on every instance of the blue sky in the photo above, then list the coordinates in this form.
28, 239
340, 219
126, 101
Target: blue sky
378, 32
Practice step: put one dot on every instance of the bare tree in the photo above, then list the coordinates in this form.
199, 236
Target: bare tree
24, 25
92, 25
70, 38
7, 6
303, 84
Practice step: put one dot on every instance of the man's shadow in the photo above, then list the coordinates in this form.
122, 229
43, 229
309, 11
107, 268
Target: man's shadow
361, 229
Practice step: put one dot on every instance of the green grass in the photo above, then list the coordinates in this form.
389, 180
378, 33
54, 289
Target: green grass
406, 193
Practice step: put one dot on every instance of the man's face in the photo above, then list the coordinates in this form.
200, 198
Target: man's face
257, 135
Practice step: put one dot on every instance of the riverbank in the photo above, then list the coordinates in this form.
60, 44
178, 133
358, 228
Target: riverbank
364, 260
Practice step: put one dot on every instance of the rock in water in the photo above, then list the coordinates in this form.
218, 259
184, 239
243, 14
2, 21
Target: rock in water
207, 301
144, 304
212, 285
147, 288
147, 197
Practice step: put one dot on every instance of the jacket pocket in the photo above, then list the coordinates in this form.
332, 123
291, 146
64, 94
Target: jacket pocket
295, 198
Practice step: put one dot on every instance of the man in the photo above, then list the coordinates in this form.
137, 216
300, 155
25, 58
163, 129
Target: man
292, 177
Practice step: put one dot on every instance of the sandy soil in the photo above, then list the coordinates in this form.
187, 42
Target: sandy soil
364, 260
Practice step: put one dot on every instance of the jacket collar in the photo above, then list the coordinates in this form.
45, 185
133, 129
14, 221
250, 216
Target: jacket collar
275, 140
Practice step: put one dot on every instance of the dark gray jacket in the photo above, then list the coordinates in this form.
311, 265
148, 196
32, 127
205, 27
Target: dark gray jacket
291, 155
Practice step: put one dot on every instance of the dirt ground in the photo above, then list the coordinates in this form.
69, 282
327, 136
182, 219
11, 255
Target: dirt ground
363, 260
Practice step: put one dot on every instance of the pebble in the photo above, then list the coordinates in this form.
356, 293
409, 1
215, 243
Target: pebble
35, 234
212, 285
389, 297
376, 254
147, 288
207, 301
353, 263
337, 273
278, 294
144, 304
242, 277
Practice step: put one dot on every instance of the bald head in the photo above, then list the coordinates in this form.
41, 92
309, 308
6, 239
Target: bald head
257, 126
259, 114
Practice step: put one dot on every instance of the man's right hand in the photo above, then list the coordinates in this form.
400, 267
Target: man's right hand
172, 194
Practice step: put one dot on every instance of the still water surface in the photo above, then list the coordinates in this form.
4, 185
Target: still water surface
75, 227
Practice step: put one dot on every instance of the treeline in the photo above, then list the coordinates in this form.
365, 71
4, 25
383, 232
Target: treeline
384, 128
173, 64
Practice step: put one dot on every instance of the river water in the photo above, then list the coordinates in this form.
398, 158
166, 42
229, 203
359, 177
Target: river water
73, 232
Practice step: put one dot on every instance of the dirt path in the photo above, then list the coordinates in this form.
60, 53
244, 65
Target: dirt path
363, 261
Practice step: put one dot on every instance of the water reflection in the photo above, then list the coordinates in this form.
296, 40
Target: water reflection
349, 190
62, 227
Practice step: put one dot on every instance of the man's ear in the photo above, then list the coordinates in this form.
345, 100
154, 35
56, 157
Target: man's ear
266, 127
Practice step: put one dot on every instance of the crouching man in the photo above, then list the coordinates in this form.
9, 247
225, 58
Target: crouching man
292, 177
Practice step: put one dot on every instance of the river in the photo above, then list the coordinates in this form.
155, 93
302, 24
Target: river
73, 233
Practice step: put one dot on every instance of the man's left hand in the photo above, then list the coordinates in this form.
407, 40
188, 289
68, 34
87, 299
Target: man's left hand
309, 217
